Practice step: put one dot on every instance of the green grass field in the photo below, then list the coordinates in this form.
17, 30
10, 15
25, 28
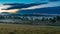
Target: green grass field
28, 29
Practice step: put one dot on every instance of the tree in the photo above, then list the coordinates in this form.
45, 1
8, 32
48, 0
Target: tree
42, 19
58, 18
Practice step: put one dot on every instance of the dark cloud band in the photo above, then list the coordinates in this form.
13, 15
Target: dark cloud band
54, 0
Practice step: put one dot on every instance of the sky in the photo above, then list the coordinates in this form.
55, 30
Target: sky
26, 1
22, 1
18, 1
51, 3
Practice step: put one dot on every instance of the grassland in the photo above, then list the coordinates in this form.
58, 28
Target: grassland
28, 29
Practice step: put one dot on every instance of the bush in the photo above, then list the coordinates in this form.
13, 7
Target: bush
11, 33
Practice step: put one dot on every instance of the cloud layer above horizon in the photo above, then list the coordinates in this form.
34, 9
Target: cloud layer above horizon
50, 3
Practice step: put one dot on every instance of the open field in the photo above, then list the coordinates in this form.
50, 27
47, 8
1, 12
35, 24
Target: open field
28, 29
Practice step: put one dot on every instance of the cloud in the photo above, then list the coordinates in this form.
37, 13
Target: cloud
14, 8
51, 4
10, 11
54, 0
4, 6
20, 5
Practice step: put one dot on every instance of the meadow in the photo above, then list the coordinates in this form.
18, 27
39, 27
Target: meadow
28, 29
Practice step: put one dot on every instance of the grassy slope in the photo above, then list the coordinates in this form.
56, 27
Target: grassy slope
28, 29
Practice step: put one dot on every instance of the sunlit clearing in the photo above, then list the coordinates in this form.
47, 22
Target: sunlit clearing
10, 11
